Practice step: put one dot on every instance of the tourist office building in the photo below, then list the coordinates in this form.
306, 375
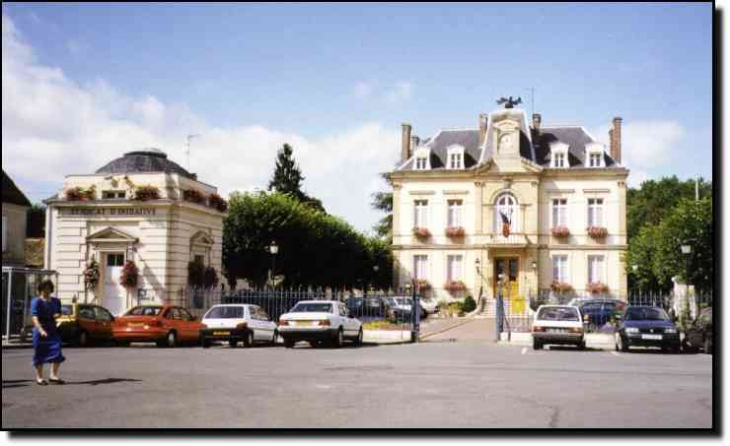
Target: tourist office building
544, 206
139, 212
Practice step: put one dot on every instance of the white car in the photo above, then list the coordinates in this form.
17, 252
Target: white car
318, 321
237, 322
429, 305
557, 324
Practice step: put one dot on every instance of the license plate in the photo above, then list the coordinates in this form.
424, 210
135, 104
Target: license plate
135, 324
305, 323
653, 337
221, 333
556, 330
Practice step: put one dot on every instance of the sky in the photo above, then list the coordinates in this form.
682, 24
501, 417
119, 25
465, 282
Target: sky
82, 84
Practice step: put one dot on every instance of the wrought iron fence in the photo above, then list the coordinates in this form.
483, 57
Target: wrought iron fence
599, 311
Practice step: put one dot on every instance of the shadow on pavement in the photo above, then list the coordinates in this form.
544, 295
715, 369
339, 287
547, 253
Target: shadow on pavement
97, 382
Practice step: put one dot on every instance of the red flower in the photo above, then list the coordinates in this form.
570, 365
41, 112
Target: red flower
597, 288
217, 202
421, 233
560, 287
455, 232
454, 286
561, 231
597, 232
193, 196
146, 193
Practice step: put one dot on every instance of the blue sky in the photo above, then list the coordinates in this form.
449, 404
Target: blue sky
338, 80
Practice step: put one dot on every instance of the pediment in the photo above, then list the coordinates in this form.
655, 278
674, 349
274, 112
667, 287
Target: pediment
111, 235
202, 238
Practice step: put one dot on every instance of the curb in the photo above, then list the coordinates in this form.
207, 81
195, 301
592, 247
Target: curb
469, 319
594, 341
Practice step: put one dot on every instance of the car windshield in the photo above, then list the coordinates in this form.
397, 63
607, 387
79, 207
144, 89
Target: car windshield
224, 313
403, 301
144, 311
67, 310
558, 314
312, 307
646, 314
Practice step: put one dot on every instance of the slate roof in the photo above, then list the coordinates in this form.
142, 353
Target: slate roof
574, 136
141, 161
11, 192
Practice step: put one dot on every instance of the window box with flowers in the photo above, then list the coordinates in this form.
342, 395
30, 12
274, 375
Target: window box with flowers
217, 202
454, 286
146, 193
455, 232
561, 287
81, 194
597, 232
92, 275
421, 233
597, 288
421, 284
193, 196
561, 232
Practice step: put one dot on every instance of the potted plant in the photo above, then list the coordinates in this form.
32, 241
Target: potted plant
91, 275
561, 231
146, 193
597, 288
421, 284
560, 287
455, 232
81, 194
193, 196
217, 202
597, 232
453, 286
130, 275
421, 233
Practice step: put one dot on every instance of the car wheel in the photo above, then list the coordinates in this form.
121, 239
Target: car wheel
205, 343
358, 340
273, 338
233, 342
248, 339
171, 339
582, 345
288, 343
536, 345
122, 343
83, 339
338, 339
314, 344
707, 345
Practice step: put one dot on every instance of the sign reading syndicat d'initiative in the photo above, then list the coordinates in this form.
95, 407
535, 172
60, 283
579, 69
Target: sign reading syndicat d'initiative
107, 211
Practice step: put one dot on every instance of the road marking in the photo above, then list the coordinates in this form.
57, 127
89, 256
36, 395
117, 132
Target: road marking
524, 350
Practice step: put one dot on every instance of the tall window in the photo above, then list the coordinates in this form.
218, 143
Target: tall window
454, 213
456, 160
506, 208
594, 160
560, 268
453, 267
420, 263
595, 212
560, 212
595, 269
421, 163
559, 159
420, 214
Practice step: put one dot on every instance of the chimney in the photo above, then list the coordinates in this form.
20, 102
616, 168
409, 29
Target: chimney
536, 120
405, 149
415, 140
482, 128
615, 137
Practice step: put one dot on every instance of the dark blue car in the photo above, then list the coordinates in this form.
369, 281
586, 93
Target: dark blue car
598, 312
645, 326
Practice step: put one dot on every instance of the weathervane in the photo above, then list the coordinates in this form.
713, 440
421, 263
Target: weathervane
509, 102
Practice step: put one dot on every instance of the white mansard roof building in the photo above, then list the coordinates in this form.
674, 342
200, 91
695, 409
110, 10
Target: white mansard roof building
544, 206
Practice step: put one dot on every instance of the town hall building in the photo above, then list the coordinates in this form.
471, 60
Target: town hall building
544, 207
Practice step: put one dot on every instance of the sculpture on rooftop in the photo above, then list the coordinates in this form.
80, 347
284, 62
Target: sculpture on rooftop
509, 102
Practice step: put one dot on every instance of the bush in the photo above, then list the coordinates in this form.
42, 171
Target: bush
196, 273
469, 304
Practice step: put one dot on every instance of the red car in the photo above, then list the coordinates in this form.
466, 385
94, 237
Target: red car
165, 325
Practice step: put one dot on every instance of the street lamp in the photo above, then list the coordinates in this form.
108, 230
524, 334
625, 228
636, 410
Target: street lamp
534, 264
686, 249
477, 264
376, 268
274, 250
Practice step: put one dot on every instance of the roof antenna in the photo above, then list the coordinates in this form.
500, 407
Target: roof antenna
188, 151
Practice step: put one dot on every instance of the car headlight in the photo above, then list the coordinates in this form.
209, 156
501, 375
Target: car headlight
632, 330
670, 330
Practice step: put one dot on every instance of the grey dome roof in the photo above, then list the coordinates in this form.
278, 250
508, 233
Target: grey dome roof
145, 160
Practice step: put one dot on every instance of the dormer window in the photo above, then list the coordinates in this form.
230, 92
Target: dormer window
594, 155
422, 161
559, 155
455, 157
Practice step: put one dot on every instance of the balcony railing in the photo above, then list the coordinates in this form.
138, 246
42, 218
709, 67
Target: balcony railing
512, 239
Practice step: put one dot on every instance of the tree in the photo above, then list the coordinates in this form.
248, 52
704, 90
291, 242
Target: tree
288, 178
383, 201
36, 223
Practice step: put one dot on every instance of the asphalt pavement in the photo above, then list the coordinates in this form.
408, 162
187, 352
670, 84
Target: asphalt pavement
437, 384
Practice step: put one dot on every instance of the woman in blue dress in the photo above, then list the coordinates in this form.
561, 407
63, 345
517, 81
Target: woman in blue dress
46, 339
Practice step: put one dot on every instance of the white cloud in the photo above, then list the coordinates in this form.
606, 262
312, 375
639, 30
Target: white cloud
52, 126
646, 146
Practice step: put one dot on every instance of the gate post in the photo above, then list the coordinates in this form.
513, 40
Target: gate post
499, 310
416, 316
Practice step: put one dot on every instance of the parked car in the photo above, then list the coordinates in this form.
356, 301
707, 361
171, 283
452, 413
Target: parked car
646, 326
83, 324
699, 333
237, 322
429, 305
597, 312
355, 305
557, 324
318, 321
367, 306
400, 308
166, 325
